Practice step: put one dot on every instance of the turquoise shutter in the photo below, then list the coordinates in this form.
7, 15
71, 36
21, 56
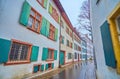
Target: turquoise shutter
47, 29
43, 27
42, 67
35, 69
4, 50
45, 3
45, 54
107, 45
56, 34
55, 54
52, 65
46, 67
34, 54
25, 13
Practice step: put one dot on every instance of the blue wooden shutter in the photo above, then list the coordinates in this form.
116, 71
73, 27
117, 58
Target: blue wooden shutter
42, 67
55, 54
25, 13
34, 54
47, 29
45, 54
46, 67
56, 34
52, 65
35, 69
43, 27
4, 50
107, 45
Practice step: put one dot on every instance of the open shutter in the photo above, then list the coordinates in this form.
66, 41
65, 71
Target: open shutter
56, 34
34, 54
46, 67
43, 27
25, 13
47, 29
45, 54
50, 8
107, 45
4, 50
42, 67
35, 69
55, 54
45, 3
52, 65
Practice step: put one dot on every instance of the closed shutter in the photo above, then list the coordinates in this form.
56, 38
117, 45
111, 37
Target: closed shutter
52, 65
55, 54
107, 45
45, 54
46, 67
4, 50
56, 34
34, 54
35, 69
43, 27
45, 3
47, 29
50, 8
42, 67
25, 13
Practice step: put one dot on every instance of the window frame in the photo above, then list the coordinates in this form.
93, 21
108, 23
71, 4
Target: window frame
28, 53
41, 3
52, 29
34, 18
117, 25
51, 59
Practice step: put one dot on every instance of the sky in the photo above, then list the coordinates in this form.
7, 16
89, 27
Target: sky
72, 9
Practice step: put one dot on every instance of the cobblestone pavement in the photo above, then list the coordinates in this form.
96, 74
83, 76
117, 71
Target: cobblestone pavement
80, 70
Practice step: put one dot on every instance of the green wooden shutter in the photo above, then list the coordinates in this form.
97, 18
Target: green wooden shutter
50, 8
107, 45
46, 67
35, 69
43, 27
34, 54
47, 29
4, 50
45, 3
25, 13
56, 34
42, 67
52, 65
55, 54
45, 54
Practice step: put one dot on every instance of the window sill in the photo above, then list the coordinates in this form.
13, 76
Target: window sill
33, 30
50, 60
16, 62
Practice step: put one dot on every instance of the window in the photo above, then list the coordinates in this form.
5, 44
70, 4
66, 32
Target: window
50, 54
75, 55
67, 30
69, 55
71, 34
20, 52
34, 21
49, 65
40, 2
52, 32
43, 3
118, 23
61, 24
67, 42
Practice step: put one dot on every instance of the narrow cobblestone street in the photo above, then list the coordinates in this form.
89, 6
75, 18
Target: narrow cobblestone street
81, 70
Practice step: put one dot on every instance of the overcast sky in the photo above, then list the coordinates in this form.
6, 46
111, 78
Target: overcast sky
72, 8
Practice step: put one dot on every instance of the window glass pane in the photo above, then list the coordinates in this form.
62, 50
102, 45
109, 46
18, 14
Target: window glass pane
30, 22
38, 17
50, 54
32, 13
37, 25
118, 21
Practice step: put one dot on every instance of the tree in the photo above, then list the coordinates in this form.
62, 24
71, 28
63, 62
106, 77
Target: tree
84, 17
